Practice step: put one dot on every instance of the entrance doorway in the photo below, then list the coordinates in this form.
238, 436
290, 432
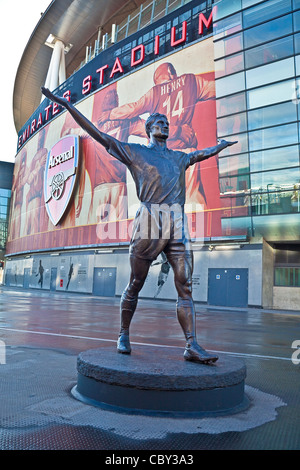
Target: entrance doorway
228, 287
104, 283
53, 279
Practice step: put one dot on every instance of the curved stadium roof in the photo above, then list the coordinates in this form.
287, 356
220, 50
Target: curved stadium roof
74, 22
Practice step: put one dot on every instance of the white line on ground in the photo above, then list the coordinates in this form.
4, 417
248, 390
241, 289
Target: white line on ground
260, 356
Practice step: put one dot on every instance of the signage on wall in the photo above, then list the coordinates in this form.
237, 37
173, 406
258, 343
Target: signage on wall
60, 176
121, 59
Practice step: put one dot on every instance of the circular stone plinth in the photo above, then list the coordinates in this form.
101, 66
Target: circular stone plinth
155, 380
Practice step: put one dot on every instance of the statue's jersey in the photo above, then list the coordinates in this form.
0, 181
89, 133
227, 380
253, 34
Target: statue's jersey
159, 174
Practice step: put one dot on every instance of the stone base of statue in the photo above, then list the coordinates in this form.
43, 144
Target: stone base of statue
157, 380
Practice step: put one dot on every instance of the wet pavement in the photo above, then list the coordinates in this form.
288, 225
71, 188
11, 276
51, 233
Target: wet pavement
42, 333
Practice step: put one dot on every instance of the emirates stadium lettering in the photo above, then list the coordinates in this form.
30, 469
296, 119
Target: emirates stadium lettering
138, 53
103, 75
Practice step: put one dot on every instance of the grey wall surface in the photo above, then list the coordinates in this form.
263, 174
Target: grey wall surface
75, 272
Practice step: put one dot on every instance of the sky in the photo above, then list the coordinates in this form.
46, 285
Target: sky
19, 18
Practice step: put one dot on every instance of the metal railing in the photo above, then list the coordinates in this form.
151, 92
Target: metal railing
148, 13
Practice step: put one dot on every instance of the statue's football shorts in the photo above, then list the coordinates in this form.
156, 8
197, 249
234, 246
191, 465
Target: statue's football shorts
157, 228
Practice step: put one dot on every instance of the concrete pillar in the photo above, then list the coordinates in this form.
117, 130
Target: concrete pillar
62, 67
55, 64
57, 68
267, 275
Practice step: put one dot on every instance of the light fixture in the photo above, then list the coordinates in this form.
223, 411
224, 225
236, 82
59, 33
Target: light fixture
228, 247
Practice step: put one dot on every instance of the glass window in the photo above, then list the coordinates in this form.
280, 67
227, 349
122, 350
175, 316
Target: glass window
270, 52
229, 65
249, 3
234, 184
200, 7
273, 203
276, 180
268, 31
230, 25
265, 11
233, 165
227, 46
232, 225
272, 115
178, 20
282, 276
231, 104
231, 84
147, 40
276, 158
289, 277
273, 136
240, 147
270, 94
299, 123
232, 124
3, 211
296, 4
227, 8
270, 73
297, 60
296, 17
270, 202
5, 192
297, 43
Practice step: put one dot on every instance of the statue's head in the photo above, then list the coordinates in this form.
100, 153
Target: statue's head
161, 120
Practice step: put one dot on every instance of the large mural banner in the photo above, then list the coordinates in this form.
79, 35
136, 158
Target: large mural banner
99, 198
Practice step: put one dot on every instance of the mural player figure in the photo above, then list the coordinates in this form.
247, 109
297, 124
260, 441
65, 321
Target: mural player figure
159, 175
70, 275
163, 273
41, 273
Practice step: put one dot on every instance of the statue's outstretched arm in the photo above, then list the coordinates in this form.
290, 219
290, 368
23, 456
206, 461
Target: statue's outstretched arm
200, 155
81, 120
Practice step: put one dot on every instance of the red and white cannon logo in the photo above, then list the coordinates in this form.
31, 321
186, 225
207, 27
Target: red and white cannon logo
60, 176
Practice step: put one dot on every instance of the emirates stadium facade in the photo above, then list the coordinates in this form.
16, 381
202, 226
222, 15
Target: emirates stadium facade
218, 69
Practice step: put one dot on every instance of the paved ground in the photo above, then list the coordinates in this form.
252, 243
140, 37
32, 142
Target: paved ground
42, 333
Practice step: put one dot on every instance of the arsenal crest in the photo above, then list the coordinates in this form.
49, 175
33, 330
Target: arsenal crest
60, 176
